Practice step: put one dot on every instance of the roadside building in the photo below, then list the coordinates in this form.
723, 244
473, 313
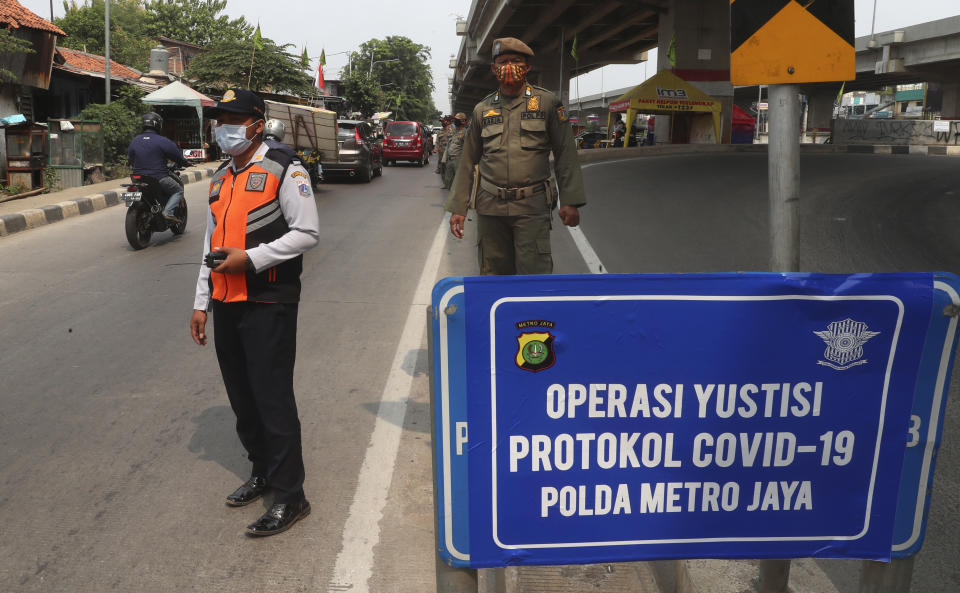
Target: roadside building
32, 71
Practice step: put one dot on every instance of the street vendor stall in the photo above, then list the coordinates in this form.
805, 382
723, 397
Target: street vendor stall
182, 110
696, 115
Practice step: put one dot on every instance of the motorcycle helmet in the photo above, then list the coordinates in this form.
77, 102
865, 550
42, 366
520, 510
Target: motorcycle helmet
275, 129
151, 121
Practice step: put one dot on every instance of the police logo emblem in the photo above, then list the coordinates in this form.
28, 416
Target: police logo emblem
256, 182
228, 96
535, 348
533, 103
562, 113
844, 340
304, 189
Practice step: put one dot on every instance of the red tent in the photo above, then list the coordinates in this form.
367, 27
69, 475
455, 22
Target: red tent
743, 126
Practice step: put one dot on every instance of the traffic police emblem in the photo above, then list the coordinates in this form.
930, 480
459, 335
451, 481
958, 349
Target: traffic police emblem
535, 348
256, 182
845, 340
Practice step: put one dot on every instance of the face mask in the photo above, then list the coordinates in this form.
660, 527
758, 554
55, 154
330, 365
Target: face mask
233, 138
512, 74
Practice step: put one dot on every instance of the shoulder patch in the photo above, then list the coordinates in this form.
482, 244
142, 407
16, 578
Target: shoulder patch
562, 113
296, 174
304, 189
256, 182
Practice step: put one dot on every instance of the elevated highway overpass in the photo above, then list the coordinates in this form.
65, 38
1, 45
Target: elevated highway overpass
623, 31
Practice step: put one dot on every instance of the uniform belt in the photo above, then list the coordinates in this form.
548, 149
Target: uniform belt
512, 193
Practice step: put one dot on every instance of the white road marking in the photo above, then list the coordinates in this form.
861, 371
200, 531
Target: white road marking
361, 532
590, 256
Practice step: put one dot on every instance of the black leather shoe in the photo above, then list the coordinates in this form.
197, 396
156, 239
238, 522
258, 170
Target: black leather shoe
280, 518
248, 492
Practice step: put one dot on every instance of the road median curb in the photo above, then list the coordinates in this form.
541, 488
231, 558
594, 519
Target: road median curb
32, 218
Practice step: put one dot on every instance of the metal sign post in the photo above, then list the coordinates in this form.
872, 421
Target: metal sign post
784, 171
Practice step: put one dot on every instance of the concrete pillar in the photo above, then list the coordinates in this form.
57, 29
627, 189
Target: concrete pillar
552, 70
700, 32
950, 107
820, 115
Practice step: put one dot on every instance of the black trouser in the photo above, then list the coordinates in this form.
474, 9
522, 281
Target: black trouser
256, 345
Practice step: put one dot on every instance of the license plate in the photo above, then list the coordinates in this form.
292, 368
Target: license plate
129, 197
402, 144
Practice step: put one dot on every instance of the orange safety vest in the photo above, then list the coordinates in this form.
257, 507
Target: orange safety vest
246, 208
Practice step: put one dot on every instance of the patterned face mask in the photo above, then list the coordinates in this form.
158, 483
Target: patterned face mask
512, 74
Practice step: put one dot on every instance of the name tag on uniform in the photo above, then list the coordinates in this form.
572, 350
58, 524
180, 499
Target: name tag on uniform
532, 115
215, 190
256, 182
493, 119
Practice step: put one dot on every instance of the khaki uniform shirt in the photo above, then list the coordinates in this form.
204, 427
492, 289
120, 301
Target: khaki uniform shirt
442, 137
454, 144
511, 139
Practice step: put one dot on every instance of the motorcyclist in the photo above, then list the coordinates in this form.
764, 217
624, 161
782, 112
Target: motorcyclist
273, 134
149, 152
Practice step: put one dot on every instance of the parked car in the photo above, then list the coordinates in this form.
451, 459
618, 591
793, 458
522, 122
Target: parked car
360, 153
405, 141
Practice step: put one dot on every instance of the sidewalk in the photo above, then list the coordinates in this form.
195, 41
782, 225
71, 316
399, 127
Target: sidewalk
29, 213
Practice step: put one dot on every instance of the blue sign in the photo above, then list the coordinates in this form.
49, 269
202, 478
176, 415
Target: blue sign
585, 419
924, 431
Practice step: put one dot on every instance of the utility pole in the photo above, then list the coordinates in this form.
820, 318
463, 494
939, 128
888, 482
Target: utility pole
106, 51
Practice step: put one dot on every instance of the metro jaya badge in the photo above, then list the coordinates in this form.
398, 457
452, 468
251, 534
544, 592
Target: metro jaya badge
535, 348
845, 340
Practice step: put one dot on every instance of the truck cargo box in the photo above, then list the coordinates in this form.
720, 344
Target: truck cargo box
308, 128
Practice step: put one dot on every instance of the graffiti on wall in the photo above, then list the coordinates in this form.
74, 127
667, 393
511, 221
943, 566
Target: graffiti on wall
895, 132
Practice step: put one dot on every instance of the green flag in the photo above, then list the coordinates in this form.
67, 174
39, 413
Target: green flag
257, 39
573, 50
840, 94
323, 57
672, 52
304, 59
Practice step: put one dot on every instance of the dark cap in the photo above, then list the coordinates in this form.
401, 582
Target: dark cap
511, 45
237, 101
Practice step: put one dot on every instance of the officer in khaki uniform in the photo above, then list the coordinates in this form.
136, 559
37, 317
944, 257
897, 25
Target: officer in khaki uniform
511, 136
442, 137
451, 156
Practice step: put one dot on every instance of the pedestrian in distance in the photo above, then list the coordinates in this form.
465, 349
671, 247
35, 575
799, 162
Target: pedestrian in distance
261, 219
149, 152
512, 134
451, 156
443, 136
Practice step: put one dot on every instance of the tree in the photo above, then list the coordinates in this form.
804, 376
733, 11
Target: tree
405, 85
362, 92
227, 64
194, 21
9, 44
129, 42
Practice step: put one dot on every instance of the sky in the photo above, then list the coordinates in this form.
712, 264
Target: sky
335, 27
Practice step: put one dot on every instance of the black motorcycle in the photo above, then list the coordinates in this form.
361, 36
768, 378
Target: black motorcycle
145, 201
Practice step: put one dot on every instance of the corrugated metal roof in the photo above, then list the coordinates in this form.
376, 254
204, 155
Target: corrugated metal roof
77, 60
14, 15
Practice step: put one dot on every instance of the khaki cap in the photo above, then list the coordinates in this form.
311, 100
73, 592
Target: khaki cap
461, 116
511, 45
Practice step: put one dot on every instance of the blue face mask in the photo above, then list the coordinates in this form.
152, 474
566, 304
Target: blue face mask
233, 138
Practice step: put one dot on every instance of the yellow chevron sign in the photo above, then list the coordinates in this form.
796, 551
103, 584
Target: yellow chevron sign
791, 41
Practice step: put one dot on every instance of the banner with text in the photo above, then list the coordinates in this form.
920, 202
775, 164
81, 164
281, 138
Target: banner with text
616, 418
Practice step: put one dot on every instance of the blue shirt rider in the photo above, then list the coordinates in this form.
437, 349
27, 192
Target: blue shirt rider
149, 152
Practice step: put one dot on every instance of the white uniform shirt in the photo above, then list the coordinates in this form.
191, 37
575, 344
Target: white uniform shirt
300, 212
